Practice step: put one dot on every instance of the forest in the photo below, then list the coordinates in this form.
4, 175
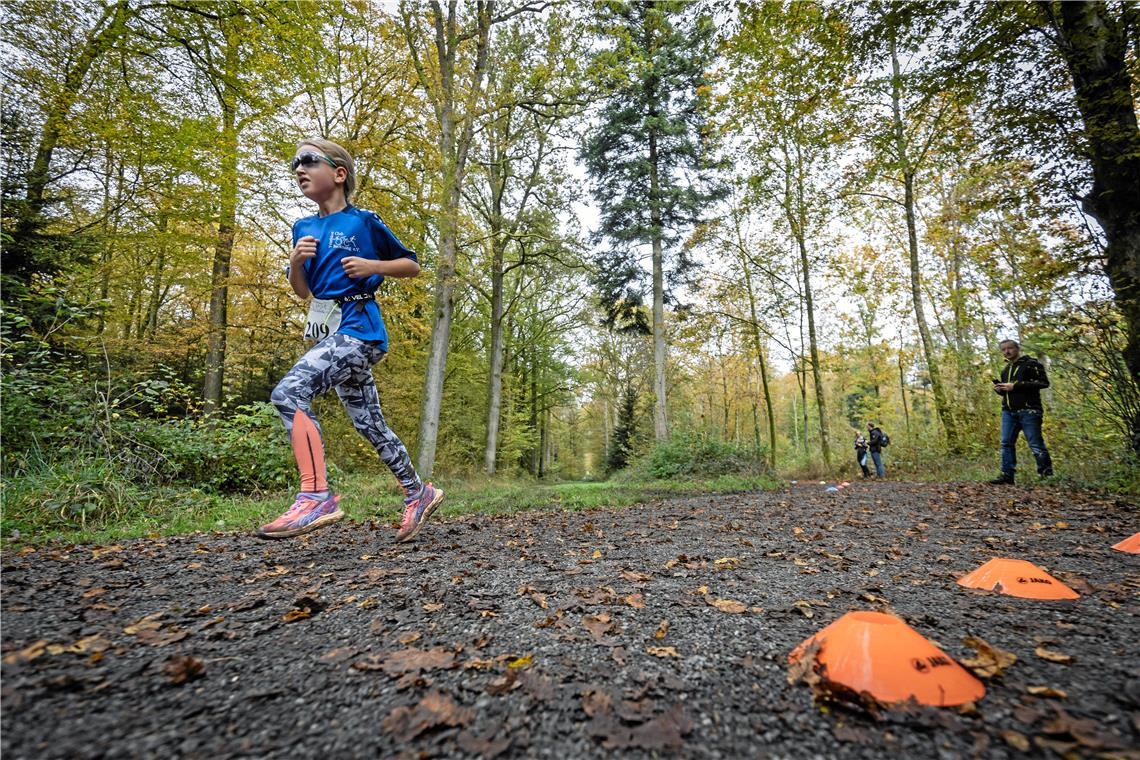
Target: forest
660, 240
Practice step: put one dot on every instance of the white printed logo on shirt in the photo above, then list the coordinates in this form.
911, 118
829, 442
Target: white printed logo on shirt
343, 242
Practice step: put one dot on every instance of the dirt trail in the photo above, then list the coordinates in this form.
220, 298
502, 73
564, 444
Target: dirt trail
657, 629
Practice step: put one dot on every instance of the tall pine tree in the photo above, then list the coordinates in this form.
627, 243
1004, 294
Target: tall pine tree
649, 156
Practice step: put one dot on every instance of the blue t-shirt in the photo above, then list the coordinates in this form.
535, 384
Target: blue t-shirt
350, 232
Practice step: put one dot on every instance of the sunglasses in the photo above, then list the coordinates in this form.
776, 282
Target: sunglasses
309, 159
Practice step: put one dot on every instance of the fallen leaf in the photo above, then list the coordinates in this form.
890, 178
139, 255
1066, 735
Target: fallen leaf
30, 652
636, 577
521, 662
1046, 691
726, 563
597, 554
662, 651
337, 655
408, 638
477, 664
597, 701
729, 605
147, 623
1051, 656
598, 626
180, 669
435, 709
433, 606
637, 601
294, 615
100, 551
1016, 740
991, 662
662, 629
408, 660
485, 747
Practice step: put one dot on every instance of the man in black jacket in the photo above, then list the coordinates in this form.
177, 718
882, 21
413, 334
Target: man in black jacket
875, 442
1020, 386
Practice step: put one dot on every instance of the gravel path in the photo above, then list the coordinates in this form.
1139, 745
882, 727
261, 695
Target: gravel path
659, 629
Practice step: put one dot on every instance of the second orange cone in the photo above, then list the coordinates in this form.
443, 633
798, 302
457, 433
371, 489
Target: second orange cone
1130, 545
1016, 577
880, 654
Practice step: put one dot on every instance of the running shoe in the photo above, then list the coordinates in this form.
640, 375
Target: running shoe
305, 515
417, 509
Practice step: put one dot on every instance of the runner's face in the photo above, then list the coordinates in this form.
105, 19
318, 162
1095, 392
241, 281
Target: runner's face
318, 181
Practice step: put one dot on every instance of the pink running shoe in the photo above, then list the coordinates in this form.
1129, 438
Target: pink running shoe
305, 515
417, 509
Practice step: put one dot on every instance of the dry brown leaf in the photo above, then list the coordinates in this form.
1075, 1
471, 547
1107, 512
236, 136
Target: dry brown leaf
726, 563
408, 660
433, 606
521, 662
637, 601
990, 662
662, 651
1046, 691
1051, 656
635, 577
148, 623
662, 629
295, 615
100, 551
728, 605
597, 554
182, 668
477, 664
435, 709
597, 700
30, 652
598, 626
409, 637
1016, 740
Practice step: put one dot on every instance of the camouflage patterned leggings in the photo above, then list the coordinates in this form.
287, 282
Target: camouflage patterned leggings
344, 363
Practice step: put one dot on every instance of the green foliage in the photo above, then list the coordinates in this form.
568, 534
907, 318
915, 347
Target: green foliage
699, 456
244, 452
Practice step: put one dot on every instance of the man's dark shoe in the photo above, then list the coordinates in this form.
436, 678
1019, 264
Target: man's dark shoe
1046, 473
1005, 479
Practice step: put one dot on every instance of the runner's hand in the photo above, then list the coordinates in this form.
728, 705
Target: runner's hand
306, 248
356, 267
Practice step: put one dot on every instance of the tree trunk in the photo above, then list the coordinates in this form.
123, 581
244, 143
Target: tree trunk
758, 349
902, 387
940, 401
1094, 46
660, 420
813, 346
454, 142
495, 381
227, 223
111, 25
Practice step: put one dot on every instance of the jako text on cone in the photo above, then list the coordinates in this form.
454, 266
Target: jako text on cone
1016, 577
880, 654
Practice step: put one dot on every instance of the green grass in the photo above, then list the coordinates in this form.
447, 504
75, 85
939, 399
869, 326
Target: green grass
366, 497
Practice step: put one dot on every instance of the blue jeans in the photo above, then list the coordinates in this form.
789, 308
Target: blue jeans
1029, 422
877, 458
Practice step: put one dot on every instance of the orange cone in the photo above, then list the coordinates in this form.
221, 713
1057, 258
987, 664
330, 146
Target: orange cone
1130, 545
880, 654
1016, 577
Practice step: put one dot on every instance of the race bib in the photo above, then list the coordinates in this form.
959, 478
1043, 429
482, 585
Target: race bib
322, 321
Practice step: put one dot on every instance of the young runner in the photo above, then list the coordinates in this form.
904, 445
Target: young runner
340, 256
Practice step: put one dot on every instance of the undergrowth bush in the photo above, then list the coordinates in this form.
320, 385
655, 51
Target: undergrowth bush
686, 454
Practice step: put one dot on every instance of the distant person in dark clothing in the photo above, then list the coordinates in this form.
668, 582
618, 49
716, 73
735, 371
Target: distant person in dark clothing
861, 453
1020, 386
877, 440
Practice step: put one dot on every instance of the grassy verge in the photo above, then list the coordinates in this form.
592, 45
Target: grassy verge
179, 512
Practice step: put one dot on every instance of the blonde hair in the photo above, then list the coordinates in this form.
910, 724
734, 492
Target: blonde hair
340, 156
